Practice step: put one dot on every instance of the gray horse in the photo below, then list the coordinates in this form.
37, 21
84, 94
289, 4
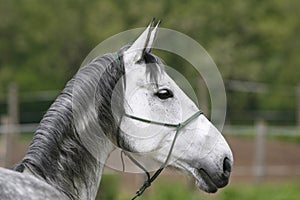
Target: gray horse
118, 100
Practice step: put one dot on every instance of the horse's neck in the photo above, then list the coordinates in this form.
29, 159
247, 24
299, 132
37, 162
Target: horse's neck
59, 157
69, 148
84, 192
85, 188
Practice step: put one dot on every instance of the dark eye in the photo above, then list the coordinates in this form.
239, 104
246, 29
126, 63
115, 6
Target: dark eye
164, 94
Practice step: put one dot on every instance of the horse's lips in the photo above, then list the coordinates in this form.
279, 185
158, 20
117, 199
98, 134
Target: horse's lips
203, 178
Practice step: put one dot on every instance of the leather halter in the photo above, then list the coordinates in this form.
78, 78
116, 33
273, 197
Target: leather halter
178, 127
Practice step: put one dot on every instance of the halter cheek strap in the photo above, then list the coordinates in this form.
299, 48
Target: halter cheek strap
178, 127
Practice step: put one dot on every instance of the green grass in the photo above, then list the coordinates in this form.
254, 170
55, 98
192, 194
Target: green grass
287, 138
109, 187
278, 191
25, 137
282, 191
165, 190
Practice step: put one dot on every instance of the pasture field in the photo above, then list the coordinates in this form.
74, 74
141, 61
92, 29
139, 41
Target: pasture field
173, 190
279, 152
278, 191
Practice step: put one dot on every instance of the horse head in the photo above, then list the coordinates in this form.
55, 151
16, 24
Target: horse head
158, 112
128, 97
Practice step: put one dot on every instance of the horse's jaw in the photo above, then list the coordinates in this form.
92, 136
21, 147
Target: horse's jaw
203, 177
206, 157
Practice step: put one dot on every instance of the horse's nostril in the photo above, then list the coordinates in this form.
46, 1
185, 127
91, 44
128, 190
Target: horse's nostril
226, 166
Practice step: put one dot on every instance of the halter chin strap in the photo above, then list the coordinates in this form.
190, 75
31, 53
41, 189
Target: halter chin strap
178, 127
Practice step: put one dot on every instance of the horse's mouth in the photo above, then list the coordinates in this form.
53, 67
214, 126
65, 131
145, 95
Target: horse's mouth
204, 181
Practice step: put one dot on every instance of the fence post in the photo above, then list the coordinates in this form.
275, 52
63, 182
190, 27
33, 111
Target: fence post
13, 103
7, 141
11, 123
259, 168
298, 104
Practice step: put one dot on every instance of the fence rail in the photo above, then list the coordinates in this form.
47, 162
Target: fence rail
240, 130
20, 128
259, 168
10, 126
230, 130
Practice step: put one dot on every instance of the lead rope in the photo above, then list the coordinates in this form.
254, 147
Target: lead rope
150, 179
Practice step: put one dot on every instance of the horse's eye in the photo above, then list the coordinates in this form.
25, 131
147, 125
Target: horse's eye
164, 94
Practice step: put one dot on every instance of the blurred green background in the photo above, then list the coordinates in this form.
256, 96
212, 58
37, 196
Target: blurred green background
254, 43
42, 44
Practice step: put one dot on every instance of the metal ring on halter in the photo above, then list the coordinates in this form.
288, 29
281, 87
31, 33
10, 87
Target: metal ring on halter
178, 127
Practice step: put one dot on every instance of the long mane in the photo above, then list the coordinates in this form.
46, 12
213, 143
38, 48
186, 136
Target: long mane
81, 115
57, 153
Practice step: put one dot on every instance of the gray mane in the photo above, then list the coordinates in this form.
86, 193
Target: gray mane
57, 153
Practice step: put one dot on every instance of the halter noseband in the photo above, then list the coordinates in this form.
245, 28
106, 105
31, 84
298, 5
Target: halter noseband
178, 127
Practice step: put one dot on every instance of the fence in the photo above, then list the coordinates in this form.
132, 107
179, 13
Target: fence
34, 104
258, 134
10, 128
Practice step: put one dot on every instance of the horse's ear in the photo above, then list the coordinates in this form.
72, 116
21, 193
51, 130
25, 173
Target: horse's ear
143, 43
152, 37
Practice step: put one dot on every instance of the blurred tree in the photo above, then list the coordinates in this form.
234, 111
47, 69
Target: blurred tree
42, 43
